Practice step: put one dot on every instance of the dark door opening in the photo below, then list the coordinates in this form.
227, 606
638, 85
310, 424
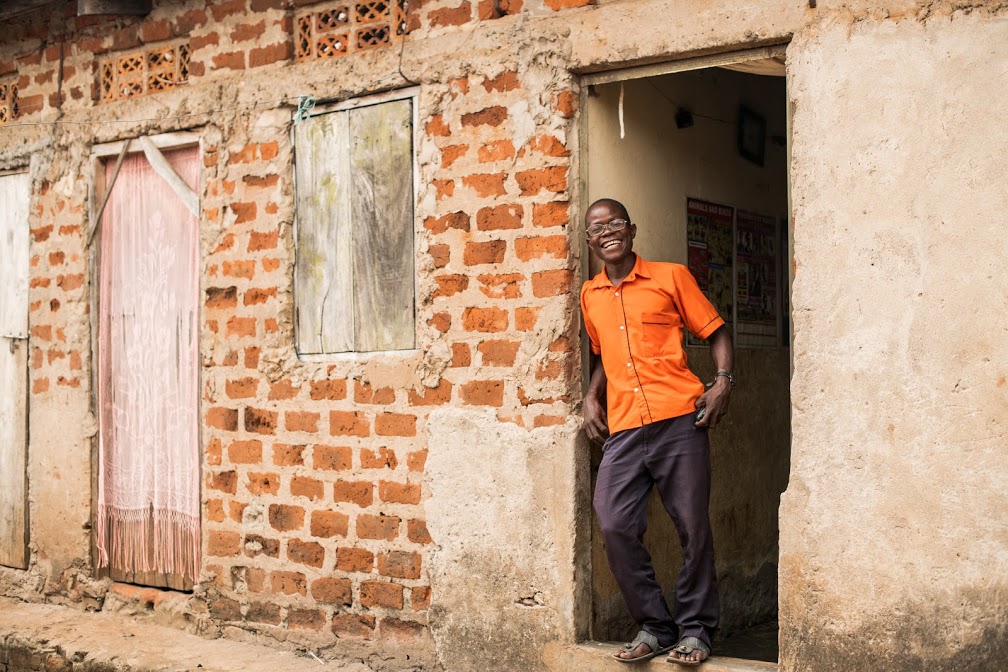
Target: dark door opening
699, 158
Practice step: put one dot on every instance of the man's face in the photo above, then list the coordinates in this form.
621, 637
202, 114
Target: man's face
610, 246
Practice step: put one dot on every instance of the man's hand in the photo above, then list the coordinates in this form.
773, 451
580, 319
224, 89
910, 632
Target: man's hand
715, 400
596, 424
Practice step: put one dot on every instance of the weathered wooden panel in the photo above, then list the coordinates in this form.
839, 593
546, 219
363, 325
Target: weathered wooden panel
14, 196
323, 277
382, 206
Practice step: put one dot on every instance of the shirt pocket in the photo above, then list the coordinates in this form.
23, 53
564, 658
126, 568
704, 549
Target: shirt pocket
661, 333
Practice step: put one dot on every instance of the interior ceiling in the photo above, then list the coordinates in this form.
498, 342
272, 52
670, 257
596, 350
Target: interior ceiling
11, 7
764, 66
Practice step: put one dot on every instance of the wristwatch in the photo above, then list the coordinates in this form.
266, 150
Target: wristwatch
725, 374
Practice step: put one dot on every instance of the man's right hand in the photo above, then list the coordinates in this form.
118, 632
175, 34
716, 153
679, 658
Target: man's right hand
596, 425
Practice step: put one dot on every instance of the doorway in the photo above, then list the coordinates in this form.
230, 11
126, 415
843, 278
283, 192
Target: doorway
697, 151
147, 333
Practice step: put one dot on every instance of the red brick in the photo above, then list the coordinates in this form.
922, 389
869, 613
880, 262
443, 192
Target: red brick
443, 189
225, 481
549, 179
301, 421
241, 326
246, 212
225, 609
365, 394
259, 295
269, 150
221, 543
285, 455
440, 321
499, 217
222, 418
360, 493
506, 81
527, 249
450, 285
357, 626
332, 591
326, 524
236, 511
549, 370
399, 629
252, 357
452, 153
399, 565
283, 389
489, 252
498, 352
395, 424
420, 597
450, 16
304, 486
263, 240
504, 286
552, 283
437, 127
305, 619
526, 318
486, 320
232, 60
354, 560
331, 390
332, 458
288, 583
245, 452
348, 423
271, 53
416, 460
454, 220
263, 612
440, 255
483, 393
155, 31
242, 388
256, 545
214, 452
548, 145
308, 553
187, 21
567, 102
381, 594
285, 518
383, 458
547, 215
262, 182
496, 150
399, 493
486, 185
547, 420
377, 527
263, 483
260, 421
490, 116
431, 396
416, 531
247, 31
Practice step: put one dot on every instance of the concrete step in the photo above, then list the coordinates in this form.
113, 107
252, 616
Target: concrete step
597, 657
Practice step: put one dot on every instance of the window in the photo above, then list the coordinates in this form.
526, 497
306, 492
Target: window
354, 272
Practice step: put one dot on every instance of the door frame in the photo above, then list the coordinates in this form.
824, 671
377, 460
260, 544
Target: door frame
100, 155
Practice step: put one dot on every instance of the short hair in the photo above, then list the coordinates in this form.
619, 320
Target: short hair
612, 203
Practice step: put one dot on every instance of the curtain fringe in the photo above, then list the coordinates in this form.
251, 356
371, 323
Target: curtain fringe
127, 536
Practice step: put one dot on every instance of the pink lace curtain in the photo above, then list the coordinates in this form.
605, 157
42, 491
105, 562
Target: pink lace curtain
148, 484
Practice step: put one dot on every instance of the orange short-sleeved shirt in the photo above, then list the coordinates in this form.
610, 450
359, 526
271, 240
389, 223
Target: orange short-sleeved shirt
637, 328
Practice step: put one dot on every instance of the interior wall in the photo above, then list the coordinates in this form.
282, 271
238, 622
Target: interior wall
652, 170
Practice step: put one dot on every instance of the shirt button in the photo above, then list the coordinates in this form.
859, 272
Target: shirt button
635, 389
621, 327
617, 293
629, 363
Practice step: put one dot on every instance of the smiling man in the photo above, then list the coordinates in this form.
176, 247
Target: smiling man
652, 413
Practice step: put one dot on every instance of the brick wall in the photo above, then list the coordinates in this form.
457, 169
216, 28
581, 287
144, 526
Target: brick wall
313, 472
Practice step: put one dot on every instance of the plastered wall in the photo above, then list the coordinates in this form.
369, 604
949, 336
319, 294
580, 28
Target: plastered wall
889, 101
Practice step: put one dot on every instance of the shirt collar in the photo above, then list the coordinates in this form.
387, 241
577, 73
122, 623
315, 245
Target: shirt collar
641, 268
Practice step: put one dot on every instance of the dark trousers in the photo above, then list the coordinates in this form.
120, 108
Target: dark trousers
674, 456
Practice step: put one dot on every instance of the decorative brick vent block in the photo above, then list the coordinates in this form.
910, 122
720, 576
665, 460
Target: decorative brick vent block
144, 72
8, 102
348, 27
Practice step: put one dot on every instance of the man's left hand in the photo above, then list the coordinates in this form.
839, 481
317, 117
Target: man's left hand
715, 400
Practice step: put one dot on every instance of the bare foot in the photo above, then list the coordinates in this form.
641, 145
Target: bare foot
694, 657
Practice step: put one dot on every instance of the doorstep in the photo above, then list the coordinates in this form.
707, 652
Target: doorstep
597, 657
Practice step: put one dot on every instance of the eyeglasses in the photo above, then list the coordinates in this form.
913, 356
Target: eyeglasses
613, 225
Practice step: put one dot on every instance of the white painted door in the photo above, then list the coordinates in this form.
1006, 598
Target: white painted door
14, 196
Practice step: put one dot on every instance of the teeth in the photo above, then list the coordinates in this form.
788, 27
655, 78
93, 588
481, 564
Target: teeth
611, 243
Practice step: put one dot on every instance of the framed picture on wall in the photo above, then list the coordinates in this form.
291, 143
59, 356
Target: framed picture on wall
751, 135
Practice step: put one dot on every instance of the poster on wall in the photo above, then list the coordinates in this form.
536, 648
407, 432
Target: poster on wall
757, 269
709, 254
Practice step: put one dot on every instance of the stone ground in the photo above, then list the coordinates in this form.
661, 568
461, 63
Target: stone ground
52, 638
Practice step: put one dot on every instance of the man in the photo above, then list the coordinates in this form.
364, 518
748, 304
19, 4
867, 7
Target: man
656, 414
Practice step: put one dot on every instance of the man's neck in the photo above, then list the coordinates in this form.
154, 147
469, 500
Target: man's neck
617, 272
